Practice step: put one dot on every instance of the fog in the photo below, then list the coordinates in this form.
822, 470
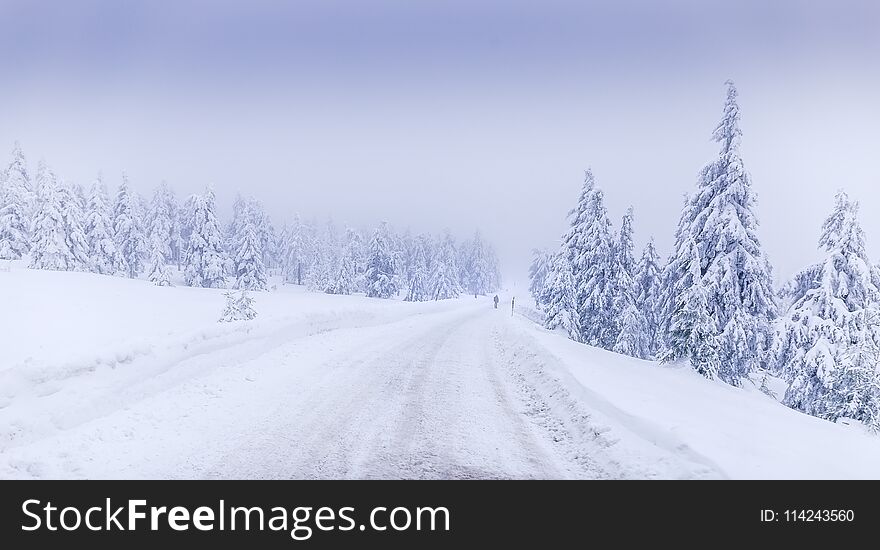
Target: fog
455, 114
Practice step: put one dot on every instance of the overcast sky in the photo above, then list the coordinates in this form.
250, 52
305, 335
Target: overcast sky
456, 113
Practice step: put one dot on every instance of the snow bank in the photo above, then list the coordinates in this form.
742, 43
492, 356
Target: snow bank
736, 432
77, 346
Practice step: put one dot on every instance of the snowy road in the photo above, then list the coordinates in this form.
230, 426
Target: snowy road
431, 404
429, 395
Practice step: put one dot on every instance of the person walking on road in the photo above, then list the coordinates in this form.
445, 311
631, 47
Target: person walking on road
496, 301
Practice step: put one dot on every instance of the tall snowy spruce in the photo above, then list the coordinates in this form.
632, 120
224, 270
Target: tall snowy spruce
246, 247
345, 281
559, 297
590, 253
631, 330
647, 283
164, 201
127, 230
540, 266
444, 282
99, 231
693, 332
295, 252
159, 239
735, 273
204, 260
478, 268
417, 278
381, 264
58, 240
16, 204
73, 220
828, 346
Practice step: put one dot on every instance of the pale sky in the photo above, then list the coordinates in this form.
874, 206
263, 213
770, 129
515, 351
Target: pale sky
458, 113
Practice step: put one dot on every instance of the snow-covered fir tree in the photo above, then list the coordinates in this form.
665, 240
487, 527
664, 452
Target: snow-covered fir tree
345, 280
647, 281
164, 201
736, 275
265, 233
591, 256
73, 220
103, 253
631, 327
693, 331
325, 262
295, 261
58, 241
22, 201
160, 238
381, 264
559, 297
632, 336
444, 282
127, 231
13, 221
16, 208
538, 270
246, 245
204, 260
830, 333
478, 269
417, 281
239, 307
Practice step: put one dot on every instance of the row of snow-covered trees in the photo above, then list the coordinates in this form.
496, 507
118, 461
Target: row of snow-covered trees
713, 302
60, 226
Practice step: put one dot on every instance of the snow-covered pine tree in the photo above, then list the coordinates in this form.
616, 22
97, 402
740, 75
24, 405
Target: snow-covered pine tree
631, 327
632, 335
674, 270
417, 283
127, 231
21, 200
13, 220
590, 254
444, 282
246, 245
559, 297
830, 333
160, 238
51, 244
265, 233
381, 264
538, 273
647, 281
239, 307
494, 269
295, 261
73, 219
103, 253
856, 381
345, 278
479, 272
204, 260
735, 273
164, 200
693, 331
325, 264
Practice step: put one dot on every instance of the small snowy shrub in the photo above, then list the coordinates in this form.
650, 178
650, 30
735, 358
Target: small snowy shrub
239, 307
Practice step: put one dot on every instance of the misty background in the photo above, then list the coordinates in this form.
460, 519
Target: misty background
455, 114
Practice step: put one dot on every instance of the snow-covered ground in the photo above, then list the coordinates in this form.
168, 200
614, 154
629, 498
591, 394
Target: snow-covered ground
108, 377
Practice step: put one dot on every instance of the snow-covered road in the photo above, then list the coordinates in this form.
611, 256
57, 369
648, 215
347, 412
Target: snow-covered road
425, 399
427, 395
